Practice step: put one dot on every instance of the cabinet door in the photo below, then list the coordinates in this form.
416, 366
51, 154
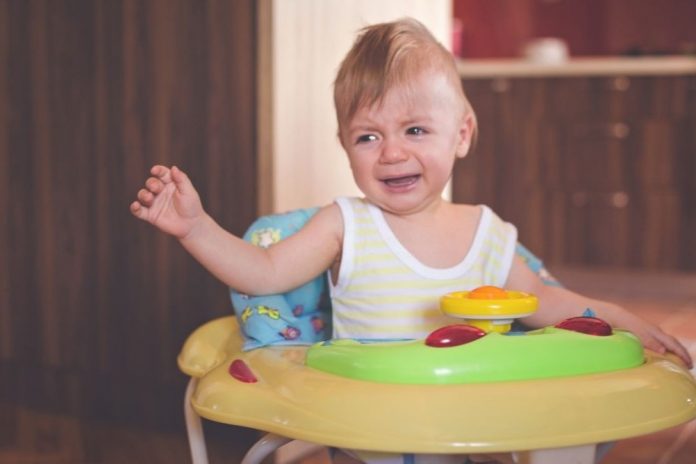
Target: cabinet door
687, 174
592, 170
92, 93
592, 155
617, 229
508, 157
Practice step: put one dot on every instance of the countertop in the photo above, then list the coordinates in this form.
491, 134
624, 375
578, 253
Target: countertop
586, 66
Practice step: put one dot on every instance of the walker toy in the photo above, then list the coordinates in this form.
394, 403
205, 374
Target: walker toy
475, 387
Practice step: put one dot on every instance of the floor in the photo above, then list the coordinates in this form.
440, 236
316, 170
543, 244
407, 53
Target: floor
35, 437
668, 300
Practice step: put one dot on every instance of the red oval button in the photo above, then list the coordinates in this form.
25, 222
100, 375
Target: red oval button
240, 371
453, 335
586, 325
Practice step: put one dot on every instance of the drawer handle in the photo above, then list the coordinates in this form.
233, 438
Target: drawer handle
621, 83
619, 130
500, 85
618, 200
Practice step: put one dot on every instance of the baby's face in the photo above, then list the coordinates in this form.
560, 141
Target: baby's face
402, 150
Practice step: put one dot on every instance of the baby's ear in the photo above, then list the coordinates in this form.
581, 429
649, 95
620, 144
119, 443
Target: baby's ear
340, 138
466, 135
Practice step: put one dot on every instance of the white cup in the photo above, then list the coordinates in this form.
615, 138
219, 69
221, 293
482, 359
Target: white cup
547, 50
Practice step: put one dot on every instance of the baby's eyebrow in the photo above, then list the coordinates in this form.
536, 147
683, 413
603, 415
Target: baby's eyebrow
416, 120
361, 128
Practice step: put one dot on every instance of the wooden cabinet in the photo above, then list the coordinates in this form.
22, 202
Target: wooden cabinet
595, 170
94, 304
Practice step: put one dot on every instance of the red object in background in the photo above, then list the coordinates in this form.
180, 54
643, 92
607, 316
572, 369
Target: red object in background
457, 36
493, 28
453, 335
500, 28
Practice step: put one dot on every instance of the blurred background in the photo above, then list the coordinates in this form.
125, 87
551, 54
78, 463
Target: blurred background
94, 305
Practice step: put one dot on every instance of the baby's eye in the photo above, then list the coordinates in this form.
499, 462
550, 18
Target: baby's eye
415, 131
366, 138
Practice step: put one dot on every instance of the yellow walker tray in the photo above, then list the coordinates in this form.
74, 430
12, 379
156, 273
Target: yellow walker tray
293, 400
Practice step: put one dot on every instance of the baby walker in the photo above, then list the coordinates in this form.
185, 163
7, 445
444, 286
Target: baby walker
477, 387
466, 388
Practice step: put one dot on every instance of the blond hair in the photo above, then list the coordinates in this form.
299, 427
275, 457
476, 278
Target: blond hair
389, 55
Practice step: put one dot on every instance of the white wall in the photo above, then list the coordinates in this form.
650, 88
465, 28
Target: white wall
302, 163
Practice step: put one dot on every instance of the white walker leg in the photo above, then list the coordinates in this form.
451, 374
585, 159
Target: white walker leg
194, 427
264, 447
296, 450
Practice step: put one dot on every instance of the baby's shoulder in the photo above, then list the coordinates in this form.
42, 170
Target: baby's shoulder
327, 221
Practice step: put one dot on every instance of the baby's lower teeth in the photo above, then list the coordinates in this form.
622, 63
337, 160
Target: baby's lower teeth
401, 180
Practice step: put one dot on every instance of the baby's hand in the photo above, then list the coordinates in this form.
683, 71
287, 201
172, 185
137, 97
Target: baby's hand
653, 338
169, 201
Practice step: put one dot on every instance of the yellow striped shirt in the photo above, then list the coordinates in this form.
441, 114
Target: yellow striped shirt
384, 291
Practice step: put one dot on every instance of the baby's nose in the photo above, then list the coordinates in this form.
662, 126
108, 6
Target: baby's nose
393, 153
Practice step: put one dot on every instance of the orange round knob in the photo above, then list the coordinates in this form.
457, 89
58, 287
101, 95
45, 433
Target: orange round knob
488, 292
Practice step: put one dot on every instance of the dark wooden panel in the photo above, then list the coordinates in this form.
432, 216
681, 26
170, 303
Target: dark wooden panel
92, 93
592, 170
6, 335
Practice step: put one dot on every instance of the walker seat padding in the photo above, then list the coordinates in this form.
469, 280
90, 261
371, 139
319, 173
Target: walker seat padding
303, 316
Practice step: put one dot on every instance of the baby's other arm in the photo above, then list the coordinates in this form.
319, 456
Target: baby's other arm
558, 303
170, 202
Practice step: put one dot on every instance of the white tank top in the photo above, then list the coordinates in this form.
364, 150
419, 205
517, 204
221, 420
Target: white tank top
384, 292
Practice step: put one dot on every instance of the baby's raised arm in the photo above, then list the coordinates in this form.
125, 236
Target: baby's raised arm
170, 202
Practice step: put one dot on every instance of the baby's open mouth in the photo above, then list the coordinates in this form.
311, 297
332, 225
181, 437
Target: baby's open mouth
402, 181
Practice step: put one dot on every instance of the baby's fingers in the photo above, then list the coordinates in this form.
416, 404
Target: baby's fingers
162, 173
673, 345
661, 342
145, 197
181, 180
138, 210
154, 185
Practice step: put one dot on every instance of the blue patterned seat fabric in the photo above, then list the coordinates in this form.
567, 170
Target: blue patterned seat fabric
301, 316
